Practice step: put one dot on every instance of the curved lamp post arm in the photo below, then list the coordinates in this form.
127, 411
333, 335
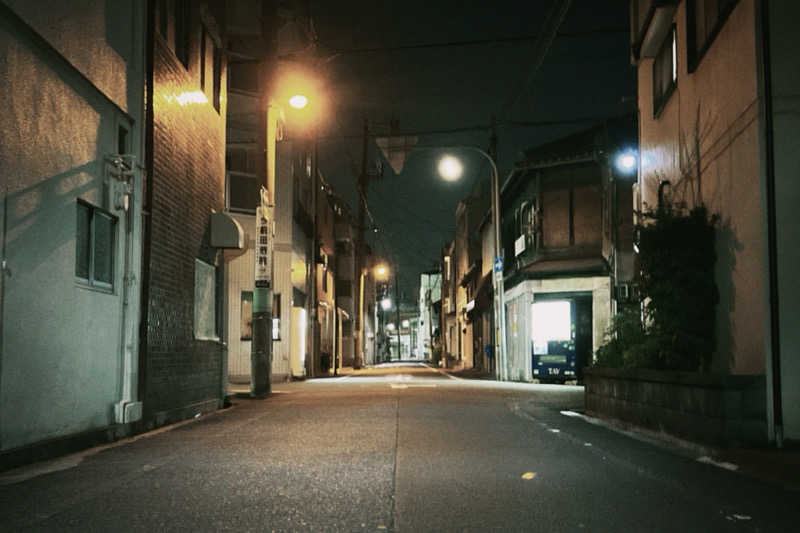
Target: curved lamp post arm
501, 370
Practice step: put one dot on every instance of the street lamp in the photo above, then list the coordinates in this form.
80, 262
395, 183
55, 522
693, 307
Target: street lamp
298, 101
450, 169
386, 304
626, 161
381, 272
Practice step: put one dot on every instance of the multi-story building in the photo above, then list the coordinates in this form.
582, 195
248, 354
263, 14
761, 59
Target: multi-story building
450, 335
346, 293
430, 292
567, 237
718, 106
182, 348
71, 161
114, 160
467, 252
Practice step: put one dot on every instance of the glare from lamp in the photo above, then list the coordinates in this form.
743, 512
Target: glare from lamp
626, 162
298, 101
450, 168
405, 323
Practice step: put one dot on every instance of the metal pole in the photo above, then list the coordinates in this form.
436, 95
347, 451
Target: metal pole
397, 303
314, 305
500, 305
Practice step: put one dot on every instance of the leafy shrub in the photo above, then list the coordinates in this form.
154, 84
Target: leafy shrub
674, 329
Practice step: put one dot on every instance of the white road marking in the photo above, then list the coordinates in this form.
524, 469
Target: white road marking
721, 464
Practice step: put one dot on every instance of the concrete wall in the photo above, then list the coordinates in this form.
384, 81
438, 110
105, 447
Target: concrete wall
70, 76
717, 106
719, 409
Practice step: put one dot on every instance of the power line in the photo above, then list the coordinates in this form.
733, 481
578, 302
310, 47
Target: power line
555, 16
472, 42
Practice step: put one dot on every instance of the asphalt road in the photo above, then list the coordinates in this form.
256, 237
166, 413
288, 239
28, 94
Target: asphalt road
399, 448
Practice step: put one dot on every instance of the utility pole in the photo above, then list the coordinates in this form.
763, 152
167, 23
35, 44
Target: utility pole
363, 181
313, 304
261, 345
397, 298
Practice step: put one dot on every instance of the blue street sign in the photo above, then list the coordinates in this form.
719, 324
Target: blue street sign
498, 264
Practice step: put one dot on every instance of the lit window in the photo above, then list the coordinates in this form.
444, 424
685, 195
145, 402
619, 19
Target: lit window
665, 72
246, 316
94, 246
276, 317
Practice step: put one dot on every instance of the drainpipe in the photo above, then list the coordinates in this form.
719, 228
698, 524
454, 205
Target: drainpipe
4, 271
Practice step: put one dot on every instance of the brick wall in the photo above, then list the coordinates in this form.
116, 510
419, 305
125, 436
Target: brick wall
187, 185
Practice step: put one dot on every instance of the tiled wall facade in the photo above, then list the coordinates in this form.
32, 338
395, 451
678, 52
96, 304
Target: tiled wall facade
187, 185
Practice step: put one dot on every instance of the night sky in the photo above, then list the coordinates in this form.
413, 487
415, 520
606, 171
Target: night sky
585, 74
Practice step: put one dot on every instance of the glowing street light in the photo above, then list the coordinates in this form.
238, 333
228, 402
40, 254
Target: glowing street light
298, 101
390, 326
405, 323
450, 168
386, 304
381, 272
626, 162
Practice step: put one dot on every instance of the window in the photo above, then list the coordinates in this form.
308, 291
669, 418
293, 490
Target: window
704, 19
122, 140
276, 317
205, 301
243, 76
446, 267
243, 192
161, 9
182, 31
665, 72
246, 317
94, 246
217, 65
203, 54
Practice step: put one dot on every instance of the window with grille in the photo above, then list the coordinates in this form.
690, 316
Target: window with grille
94, 246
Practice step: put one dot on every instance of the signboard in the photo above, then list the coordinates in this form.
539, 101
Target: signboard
519, 245
263, 248
498, 264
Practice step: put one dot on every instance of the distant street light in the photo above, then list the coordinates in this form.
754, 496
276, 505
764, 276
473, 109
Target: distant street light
450, 168
390, 326
381, 272
386, 304
405, 323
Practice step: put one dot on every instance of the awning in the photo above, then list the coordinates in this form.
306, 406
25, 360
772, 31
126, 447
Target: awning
226, 232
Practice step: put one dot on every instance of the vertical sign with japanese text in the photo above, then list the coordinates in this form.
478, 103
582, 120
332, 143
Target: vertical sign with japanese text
263, 248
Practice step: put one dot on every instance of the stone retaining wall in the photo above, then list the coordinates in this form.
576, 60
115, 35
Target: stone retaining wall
717, 409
